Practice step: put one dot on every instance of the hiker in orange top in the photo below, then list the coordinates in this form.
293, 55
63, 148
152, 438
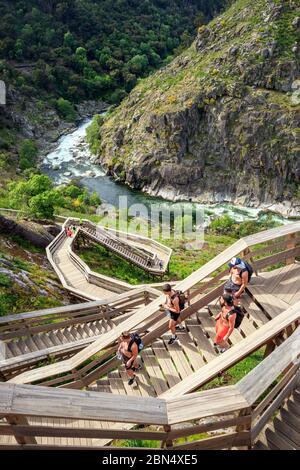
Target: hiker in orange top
225, 323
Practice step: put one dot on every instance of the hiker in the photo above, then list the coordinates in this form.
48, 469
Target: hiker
225, 323
128, 351
240, 275
68, 232
173, 307
161, 265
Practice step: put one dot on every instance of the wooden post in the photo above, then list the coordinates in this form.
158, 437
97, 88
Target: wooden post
245, 427
146, 298
21, 420
269, 348
167, 442
290, 246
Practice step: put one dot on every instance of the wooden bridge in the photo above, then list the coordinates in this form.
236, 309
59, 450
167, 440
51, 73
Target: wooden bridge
75, 401
77, 277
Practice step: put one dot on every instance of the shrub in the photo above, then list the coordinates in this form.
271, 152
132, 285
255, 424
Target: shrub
28, 154
65, 109
222, 225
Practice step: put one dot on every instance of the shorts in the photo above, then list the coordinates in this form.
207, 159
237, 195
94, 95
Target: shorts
221, 331
125, 359
173, 315
232, 286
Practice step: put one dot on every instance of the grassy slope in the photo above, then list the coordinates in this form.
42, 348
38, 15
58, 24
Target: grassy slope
183, 261
27, 264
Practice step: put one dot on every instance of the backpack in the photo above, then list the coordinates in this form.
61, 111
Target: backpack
135, 338
181, 297
239, 316
249, 269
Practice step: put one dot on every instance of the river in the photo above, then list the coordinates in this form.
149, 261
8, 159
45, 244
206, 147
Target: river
72, 159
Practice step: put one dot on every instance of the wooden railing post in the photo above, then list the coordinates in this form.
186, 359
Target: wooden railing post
146, 298
290, 246
21, 420
167, 442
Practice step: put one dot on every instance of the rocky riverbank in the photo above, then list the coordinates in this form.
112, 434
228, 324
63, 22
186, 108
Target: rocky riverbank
221, 122
35, 119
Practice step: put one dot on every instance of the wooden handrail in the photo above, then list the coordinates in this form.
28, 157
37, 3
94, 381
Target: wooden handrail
27, 400
145, 313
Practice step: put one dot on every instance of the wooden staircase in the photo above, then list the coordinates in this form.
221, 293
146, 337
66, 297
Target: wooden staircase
164, 365
283, 432
141, 258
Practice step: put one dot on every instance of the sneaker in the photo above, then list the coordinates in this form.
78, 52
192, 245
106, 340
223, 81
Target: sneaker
131, 381
222, 350
172, 340
180, 328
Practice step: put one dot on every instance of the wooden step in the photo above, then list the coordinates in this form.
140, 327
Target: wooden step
156, 376
290, 418
165, 361
204, 345
13, 347
259, 445
30, 344
293, 408
289, 432
277, 440
22, 346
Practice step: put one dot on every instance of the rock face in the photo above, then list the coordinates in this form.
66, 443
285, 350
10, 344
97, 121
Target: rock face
222, 121
8, 226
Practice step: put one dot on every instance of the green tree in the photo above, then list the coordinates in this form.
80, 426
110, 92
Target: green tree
28, 154
66, 109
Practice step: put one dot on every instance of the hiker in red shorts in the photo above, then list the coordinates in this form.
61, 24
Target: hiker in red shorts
225, 323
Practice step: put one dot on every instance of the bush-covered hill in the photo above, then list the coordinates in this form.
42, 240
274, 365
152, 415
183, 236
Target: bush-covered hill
91, 49
221, 122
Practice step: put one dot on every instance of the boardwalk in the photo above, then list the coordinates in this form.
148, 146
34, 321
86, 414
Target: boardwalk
172, 375
76, 276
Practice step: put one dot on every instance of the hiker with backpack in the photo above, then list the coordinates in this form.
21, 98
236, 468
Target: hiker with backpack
175, 302
128, 350
230, 317
240, 275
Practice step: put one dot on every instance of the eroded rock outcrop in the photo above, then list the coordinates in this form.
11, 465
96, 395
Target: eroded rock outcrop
222, 121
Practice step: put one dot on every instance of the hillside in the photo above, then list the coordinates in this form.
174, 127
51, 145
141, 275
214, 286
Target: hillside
221, 122
64, 60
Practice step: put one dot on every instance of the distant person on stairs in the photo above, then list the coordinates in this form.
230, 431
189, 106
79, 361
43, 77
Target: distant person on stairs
172, 309
128, 351
225, 323
240, 276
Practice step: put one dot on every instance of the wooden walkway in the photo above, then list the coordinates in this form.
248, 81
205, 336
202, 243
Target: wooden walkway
173, 371
80, 281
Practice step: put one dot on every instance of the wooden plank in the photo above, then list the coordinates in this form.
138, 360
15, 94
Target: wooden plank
253, 310
202, 341
218, 442
218, 401
164, 359
74, 404
78, 431
235, 354
156, 377
179, 358
191, 351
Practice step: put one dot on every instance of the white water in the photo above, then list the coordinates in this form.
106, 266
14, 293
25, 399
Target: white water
73, 159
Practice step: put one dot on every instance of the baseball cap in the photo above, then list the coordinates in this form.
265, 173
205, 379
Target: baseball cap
234, 262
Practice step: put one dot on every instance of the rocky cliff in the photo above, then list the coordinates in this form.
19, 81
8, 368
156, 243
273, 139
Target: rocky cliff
222, 121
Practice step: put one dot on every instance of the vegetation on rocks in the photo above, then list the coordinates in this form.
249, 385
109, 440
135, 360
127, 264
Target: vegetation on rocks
221, 121
26, 280
37, 197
